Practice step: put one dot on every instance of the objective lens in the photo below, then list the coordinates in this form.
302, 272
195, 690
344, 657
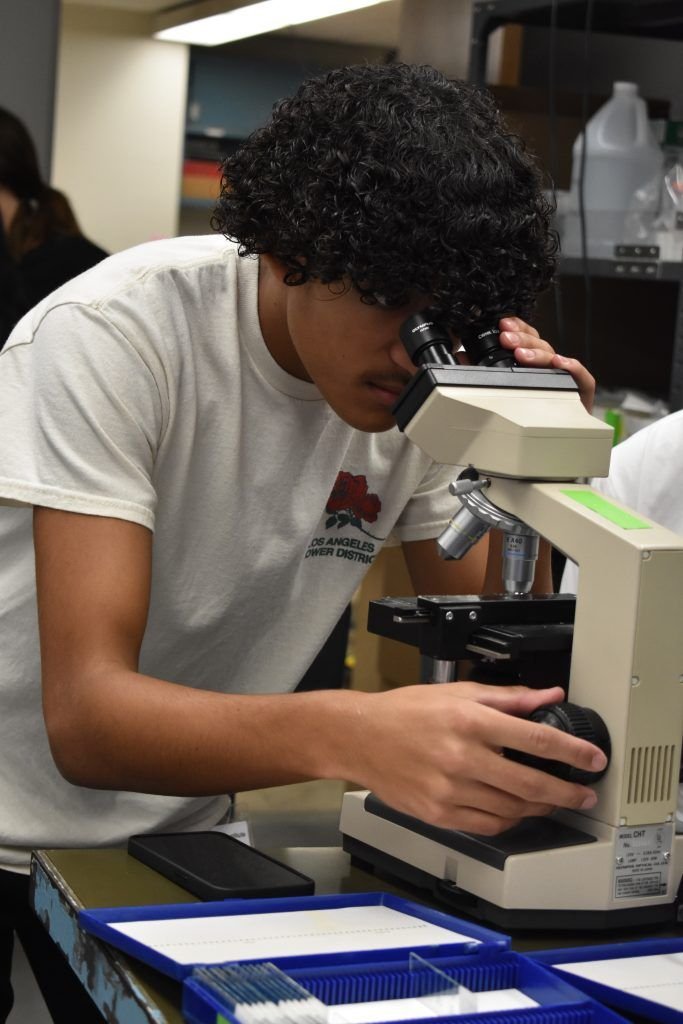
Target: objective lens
461, 534
520, 552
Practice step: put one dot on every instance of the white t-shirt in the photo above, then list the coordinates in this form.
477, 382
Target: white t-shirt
144, 390
645, 474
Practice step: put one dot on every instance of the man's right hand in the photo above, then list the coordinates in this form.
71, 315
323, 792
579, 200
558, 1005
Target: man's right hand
435, 752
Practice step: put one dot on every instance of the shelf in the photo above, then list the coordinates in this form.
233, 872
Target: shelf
654, 19
655, 270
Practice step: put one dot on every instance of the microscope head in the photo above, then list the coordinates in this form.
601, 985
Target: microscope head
503, 419
499, 420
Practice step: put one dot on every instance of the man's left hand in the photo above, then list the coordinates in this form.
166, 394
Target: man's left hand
531, 350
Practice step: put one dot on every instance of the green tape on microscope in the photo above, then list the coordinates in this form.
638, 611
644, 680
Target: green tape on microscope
596, 503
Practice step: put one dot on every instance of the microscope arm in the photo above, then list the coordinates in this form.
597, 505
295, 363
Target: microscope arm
627, 653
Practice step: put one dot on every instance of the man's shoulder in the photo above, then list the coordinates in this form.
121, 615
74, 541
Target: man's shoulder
119, 279
146, 262
150, 261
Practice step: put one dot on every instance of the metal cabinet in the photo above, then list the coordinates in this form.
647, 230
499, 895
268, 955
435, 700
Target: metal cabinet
657, 19
662, 19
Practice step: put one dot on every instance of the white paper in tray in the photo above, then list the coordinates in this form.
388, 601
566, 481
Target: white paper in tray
658, 977
211, 940
419, 1009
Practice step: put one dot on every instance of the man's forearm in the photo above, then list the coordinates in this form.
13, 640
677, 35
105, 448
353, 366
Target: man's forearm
430, 751
136, 733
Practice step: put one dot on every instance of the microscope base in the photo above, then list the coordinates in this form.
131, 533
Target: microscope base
559, 877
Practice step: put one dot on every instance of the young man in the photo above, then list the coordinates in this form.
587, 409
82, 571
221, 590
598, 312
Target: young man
195, 429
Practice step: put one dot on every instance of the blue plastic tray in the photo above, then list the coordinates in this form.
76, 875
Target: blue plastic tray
559, 1002
629, 1002
481, 961
99, 923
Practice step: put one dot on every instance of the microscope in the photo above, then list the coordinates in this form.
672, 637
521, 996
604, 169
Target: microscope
527, 442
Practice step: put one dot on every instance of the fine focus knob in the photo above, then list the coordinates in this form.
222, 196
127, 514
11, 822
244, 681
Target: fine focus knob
577, 721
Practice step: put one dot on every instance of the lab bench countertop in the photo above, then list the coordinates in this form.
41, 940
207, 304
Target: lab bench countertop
129, 992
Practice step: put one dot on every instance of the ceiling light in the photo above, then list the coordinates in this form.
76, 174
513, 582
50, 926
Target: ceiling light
210, 29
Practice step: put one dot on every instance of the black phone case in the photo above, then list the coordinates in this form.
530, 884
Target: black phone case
215, 866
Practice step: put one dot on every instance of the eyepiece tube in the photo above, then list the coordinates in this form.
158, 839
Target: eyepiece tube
481, 341
461, 534
426, 341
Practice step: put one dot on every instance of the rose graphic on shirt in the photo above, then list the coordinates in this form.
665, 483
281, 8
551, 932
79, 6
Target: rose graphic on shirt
351, 504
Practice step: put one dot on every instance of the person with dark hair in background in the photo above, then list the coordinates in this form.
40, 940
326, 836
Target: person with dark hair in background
200, 432
41, 244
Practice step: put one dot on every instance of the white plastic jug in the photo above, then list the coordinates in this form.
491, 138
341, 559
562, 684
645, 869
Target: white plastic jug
622, 155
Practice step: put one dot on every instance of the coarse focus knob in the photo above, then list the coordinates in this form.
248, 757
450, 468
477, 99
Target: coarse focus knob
577, 721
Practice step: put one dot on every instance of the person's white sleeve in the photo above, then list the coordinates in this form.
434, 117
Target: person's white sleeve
646, 470
430, 507
81, 418
570, 578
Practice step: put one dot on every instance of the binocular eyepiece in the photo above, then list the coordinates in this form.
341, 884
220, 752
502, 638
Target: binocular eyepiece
427, 341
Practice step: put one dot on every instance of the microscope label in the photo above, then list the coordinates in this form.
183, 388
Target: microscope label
596, 503
642, 858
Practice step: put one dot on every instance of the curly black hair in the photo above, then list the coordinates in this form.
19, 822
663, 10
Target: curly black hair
400, 182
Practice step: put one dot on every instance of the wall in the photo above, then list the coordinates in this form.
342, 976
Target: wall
119, 125
231, 92
436, 32
28, 54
